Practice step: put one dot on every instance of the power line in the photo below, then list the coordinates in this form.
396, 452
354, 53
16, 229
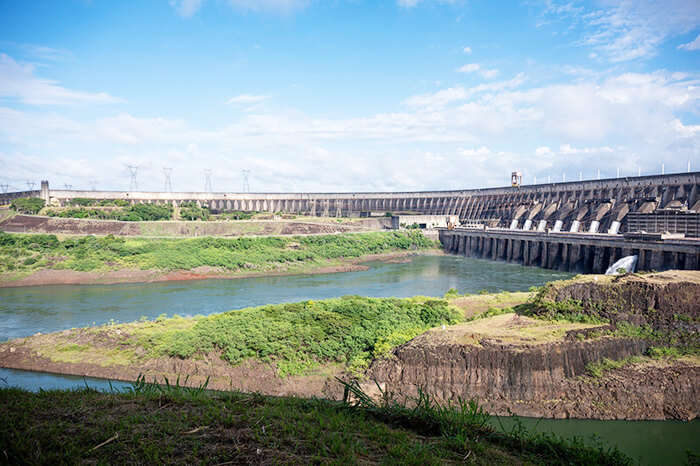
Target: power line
4, 187
168, 185
68, 186
133, 170
246, 185
93, 183
207, 180
30, 185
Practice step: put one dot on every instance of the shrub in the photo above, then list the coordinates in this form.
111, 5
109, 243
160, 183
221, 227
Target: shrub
229, 253
27, 205
296, 336
81, 201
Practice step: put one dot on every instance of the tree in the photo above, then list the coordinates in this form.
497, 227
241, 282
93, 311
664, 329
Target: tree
28, 205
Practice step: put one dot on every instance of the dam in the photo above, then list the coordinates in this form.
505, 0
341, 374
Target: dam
581, 226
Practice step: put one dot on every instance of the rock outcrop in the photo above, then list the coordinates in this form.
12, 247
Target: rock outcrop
550, 378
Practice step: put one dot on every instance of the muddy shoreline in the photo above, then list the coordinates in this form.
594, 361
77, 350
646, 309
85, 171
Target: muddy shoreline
250, 376
73, 277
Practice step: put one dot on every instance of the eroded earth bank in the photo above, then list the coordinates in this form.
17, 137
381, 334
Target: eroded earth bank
590, 347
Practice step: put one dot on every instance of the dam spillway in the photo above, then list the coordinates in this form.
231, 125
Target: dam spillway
572, 252
580, 206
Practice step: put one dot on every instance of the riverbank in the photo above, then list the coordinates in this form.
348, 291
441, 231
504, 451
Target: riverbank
508, 349
74, 277
30, 260
175, 425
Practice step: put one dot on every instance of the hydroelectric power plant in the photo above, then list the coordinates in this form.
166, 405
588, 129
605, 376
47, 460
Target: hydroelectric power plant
580, 226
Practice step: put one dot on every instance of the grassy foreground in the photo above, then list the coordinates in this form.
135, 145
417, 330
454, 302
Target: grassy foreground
151, 424
21, 253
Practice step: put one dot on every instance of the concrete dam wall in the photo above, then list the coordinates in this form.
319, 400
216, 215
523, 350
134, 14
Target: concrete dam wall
571, 252
601, 206
580, 226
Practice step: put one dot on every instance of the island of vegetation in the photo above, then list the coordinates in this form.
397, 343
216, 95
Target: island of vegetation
35, 259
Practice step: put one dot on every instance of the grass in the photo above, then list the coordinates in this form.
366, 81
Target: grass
598, 368
77, 353
472, 306
176, 425
465, 425
508, 327
26, 253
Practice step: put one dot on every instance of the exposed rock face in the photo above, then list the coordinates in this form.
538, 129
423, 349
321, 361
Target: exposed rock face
550, 379
655, 299
496, 371
539, 380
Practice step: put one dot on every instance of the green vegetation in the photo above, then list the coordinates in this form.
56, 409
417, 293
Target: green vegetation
295, 337
299, 336
128, 213
27, 205
172, 424
570, 310
465, 426
84, 202
237, 215
492, 311
236, 254
598, 368
192, 211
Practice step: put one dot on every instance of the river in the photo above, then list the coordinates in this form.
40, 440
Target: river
28, 310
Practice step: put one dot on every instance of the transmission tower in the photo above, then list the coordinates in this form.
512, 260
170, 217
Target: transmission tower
30, 185
207, 180
168, 185
68, 186
4, 187
133, 170
246, 185
93, 183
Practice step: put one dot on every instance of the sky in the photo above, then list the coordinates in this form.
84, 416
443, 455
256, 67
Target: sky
345, 95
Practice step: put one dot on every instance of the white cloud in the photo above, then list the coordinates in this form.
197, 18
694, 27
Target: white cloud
477, 68
126, 129
413, 3
456, 137
19, 82
692, 45
467, 49
450, 95
46, 53
566, 149
543, 151
186, 8
623, 30
247, 100
269, 6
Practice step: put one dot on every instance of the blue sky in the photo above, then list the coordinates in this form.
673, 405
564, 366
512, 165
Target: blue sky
349, 95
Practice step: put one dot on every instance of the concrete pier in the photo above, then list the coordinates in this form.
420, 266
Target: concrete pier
570, 252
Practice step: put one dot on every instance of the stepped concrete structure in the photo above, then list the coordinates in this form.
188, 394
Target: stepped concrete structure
572, 215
